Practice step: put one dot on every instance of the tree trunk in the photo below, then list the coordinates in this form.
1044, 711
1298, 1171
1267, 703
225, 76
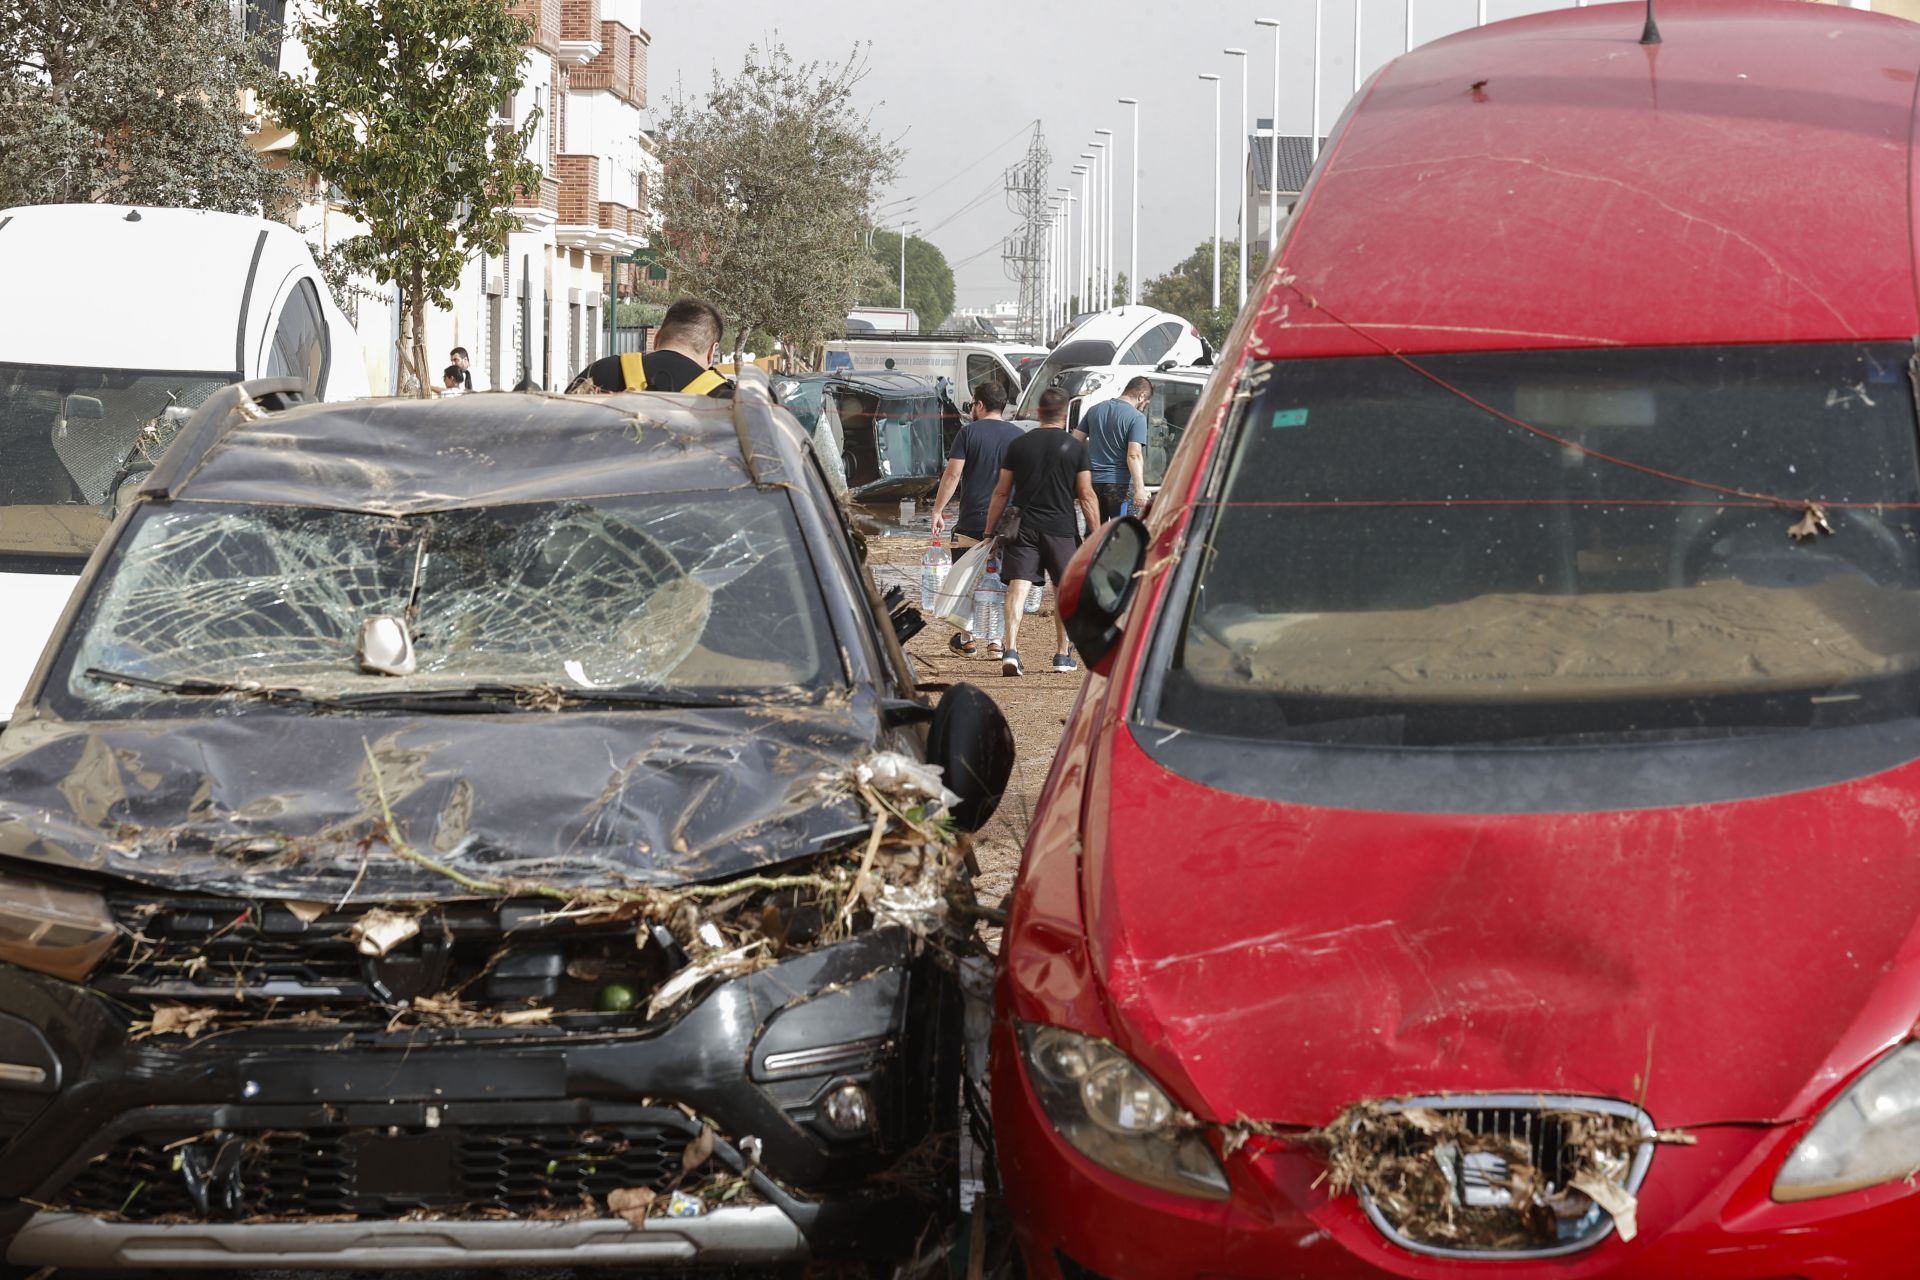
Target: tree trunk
419, 316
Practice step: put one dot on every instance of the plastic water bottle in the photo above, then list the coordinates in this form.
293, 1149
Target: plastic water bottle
990, 606
933, 571
1035, 595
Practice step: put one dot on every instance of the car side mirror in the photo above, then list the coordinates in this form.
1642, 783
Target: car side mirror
1100, 582
973, 745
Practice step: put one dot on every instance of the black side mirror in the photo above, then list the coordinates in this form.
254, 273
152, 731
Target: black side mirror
973, 745
1101, 580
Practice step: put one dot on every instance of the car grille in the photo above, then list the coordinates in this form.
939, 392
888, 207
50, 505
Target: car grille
1471, 1209
530, 1171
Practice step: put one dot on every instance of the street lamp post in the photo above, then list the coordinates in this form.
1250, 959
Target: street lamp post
1313, 143
1106, 218
903, 262
1356, 45
1244, 70
1133, 213
1086, 229
1273, 143
1208, 75
1066, 253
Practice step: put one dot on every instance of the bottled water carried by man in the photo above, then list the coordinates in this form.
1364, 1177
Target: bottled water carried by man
1034, 597
933, 571
990, 605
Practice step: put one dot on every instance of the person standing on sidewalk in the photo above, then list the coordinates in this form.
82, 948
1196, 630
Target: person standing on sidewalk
973, 467
1116, 432
1046, 471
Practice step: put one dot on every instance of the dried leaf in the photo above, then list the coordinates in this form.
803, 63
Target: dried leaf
306, 912
633, 1204
178, 1020
699, 1151
1614, 1198
525, 1017
380, 931
1812, 520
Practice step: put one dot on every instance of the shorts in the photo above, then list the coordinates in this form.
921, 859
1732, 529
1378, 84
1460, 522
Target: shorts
1112, 497
1033, 552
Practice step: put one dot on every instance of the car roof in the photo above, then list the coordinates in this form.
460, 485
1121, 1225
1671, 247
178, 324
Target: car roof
1550, 181
176, 279
401, 457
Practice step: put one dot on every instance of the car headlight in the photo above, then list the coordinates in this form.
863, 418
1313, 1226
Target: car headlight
52, 929
1870, 1134
1115, 1115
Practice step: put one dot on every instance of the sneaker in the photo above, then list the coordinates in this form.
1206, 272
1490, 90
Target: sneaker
1064, 662
1010, 663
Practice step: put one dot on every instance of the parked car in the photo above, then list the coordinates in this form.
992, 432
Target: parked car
493, 829
1133, 335
1485, 839
199, 300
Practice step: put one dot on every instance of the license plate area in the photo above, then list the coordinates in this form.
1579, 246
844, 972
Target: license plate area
399, 1171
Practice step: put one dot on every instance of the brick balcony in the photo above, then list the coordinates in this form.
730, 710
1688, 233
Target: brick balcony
614, 68
546, 197
623, 218
579, 188
579, 19
544, 16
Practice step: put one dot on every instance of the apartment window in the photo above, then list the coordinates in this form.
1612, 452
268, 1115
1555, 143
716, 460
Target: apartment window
266, 21
495, 349
573, 339
593, 335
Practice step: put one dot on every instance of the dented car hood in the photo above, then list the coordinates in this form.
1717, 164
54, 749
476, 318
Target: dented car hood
268, 804
1728, 962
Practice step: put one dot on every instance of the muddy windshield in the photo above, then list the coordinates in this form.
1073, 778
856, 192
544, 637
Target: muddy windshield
68, 438
683, 592
1560, 546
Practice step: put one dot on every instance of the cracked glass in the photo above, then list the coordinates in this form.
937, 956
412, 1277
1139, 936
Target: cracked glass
682, 591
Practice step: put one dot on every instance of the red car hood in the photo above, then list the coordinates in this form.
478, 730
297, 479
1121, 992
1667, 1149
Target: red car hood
1725, 962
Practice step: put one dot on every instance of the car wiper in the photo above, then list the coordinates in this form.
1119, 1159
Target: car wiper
489, 697
197, 687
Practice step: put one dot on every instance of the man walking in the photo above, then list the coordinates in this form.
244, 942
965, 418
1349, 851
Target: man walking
1047, 472
973, 467
682, 359
1116, 432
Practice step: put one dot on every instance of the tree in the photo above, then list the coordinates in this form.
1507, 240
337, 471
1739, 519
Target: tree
398, 113
130, 101
929, 278
1187, 290
765, 193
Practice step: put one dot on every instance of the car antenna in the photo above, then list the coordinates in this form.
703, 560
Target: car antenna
1650, 34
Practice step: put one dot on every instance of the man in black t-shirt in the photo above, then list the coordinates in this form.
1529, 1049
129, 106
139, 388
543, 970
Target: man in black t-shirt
973, 469
684, 351
1045, 474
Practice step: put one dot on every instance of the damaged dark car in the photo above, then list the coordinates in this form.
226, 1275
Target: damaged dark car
493, 831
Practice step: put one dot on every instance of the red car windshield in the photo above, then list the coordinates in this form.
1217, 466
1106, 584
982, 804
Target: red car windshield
1560, 546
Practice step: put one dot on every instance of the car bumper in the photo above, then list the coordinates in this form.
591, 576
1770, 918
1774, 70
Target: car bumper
311, 1146
1705, 1213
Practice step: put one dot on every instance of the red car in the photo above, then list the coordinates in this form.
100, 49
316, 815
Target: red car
1490, 833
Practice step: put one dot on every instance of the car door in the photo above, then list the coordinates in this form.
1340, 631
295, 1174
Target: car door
1167, 416
298, 343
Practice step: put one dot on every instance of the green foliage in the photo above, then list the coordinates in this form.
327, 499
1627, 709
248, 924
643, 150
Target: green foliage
929, 278
130, 101
1187, 290
765, 192
398, 114
633, 315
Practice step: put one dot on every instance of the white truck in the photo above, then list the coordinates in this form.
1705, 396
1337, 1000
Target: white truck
118, 322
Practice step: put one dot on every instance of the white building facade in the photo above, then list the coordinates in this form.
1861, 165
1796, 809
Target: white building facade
538, 311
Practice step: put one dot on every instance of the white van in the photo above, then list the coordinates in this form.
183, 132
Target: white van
118, 322
965, 362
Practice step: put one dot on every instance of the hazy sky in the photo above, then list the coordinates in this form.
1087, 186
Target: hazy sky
961, 83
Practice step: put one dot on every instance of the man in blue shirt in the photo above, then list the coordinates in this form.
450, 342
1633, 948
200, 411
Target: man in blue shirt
1116, 432
973, 467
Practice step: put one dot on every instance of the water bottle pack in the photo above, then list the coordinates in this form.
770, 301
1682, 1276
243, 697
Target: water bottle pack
933, 571
990, 605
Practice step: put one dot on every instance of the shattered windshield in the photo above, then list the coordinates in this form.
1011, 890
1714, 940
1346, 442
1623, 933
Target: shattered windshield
68, 438
1560, 546
686, 592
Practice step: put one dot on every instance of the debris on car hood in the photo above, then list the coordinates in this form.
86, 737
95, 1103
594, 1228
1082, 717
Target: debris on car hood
279, 806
